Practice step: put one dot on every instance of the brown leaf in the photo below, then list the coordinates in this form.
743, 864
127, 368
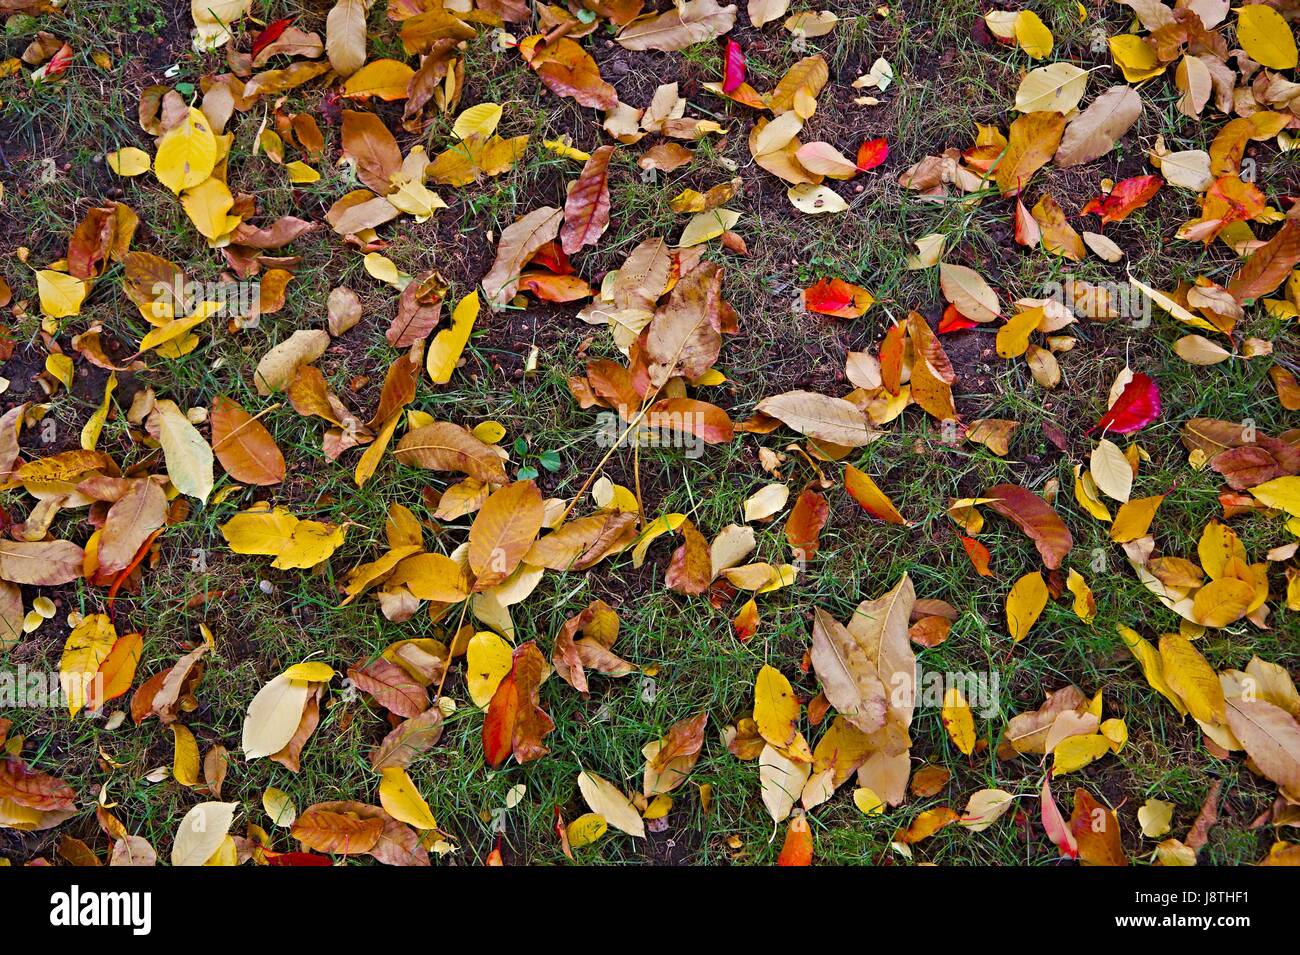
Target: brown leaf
391, 687
691, 567
419, 310
670, 760
408, 740
805, 523
32, 789
132, 518
1036, 518
367, 141
1269, 265
1096, 830
599, 625
1271, 737
443, 446
821, 417
519, 243
586, 210
583, 542
567, 70
42, 563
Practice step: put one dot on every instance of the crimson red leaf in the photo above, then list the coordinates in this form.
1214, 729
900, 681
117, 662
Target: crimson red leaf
273, 32
872, 153
296, 858
733, 68
1137, 406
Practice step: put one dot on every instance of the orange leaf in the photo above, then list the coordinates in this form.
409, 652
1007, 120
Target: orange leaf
243, 446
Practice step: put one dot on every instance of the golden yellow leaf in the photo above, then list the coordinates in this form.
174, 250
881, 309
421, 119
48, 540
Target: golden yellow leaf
187, 153
1025, 603
446, 348
402, 801
958, 720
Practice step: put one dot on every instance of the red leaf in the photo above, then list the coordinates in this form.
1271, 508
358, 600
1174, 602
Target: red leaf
1137, 406
872, 153
1054, 823
295, 858
733, 67
60, 62
1127, 196
837, 297
954, 321
273, 32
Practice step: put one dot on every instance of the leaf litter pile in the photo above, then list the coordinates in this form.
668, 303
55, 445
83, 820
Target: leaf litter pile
580, 480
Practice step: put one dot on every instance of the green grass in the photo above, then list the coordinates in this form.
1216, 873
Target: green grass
946, 83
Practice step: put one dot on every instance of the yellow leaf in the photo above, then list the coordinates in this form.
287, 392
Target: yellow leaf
706, 226
666, 524
187, 153
208, 205
1076, 752
1155, 816
279, 806
1135, 58
300, 172
610, 802
87, 646
1152, 666
1222, 602
1025, 602
1282, 493
586, 829
188, 457
487, 661
383, 268
128, 161
273, 716
776, 711
185, 756
958, 720
402, 801
1266, 36
563, 149
478, 120
446, 348
370, 459
1032, 35
1134, 518
1192, 678
293, 543
60, 366
387, 79
489, 432
310, 672
61, 294
1085, 606
868, 802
